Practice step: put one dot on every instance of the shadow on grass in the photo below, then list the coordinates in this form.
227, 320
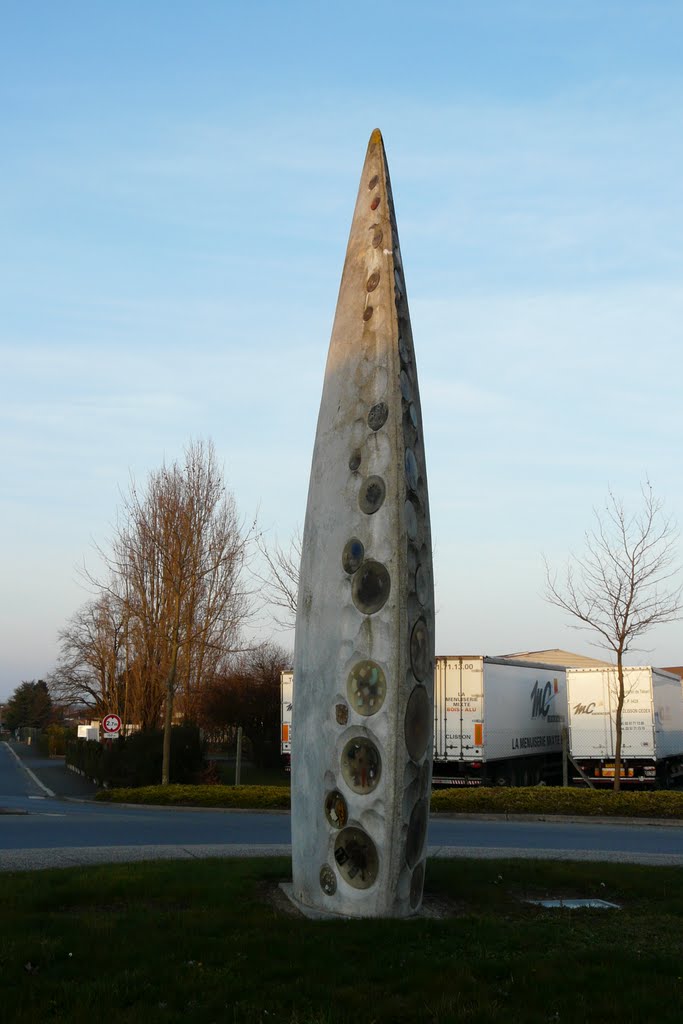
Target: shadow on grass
208, 941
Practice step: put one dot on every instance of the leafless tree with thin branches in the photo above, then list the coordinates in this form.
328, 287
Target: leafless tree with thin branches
280, 582
624, 583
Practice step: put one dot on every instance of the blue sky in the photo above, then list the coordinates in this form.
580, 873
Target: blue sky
176, 187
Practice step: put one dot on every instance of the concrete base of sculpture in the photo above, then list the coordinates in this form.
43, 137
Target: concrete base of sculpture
428, 909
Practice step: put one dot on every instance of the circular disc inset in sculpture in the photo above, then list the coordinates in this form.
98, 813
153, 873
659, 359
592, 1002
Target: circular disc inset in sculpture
419, 650
371, 586
416, 885
411, 519
411, 469
372, 494
336, 811
354, 461
377, 416
366, 687
352, 555
406, 389
422, 584
356, 857
418, 720
417, 832
361, 765
328, 882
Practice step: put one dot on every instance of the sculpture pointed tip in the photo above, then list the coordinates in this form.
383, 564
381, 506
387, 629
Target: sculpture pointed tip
376, 137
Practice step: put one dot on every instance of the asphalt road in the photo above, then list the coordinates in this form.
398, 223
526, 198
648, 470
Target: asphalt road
37, 830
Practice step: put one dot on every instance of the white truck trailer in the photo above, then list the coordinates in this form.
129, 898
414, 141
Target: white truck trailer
498, 721
652, 725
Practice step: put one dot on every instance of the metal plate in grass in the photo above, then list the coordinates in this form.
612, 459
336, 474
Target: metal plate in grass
575, 904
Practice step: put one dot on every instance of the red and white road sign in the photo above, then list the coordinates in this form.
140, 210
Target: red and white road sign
111, 725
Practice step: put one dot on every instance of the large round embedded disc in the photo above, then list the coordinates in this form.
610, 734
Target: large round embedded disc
356, 857
328, 882
417, 832
411, 469
370, 588
361, 765
417, 723
366, 687
416, 884
371, 495
419, 650
411, 519
352, 555
377, 416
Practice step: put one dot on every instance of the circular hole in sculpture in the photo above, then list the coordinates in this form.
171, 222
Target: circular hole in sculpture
371, 585
366, 687
417, 831
372, 494
416, 885
336, 811
411, 519
377, 416
354, 461
352, 555
375, 203
373, 182
356, 857
328, 881
367, 313
422, 584
419, 650
361, 765
373, 281
411, 469
417, 726
377, 237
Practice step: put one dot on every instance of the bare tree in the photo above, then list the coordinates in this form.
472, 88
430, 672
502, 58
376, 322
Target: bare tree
176, 568
90, 669
281, 579
623, 585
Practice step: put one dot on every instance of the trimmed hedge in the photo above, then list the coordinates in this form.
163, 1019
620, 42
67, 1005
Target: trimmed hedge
555, 800
537, 800
253, 797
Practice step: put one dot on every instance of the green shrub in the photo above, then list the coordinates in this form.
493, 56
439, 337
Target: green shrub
555, 800
255, 797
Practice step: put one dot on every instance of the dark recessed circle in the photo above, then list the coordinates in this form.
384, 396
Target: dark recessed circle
361, 765
417, 726
328, 881
422, 584
336, 811
372, 494
352, 555
367, 313
377, 416
377, 236
419, 650
403, 349
373, 281
356, 857
411, 519
416, 885
412, 412
406, 389
354, 461
373, 182
370, 588
417, 831
375, 203
366, 687
411, 469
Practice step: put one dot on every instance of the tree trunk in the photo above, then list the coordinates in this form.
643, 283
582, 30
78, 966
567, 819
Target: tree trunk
617, 723
168, 719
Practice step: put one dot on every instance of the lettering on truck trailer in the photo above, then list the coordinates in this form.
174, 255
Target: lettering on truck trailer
541, 701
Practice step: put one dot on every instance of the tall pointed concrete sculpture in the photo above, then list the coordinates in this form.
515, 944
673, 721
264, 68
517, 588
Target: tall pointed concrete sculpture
364, 651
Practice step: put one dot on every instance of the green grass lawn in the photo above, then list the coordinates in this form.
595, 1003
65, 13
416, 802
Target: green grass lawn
203, 941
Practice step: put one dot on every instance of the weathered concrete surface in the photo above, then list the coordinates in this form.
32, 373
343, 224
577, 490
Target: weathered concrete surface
364, 652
